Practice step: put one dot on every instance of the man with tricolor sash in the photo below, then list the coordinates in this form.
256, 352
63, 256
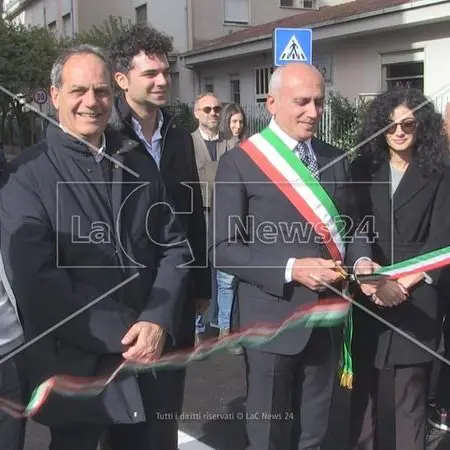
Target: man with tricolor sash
294, 189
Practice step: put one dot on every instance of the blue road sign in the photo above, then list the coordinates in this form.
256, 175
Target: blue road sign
292, 45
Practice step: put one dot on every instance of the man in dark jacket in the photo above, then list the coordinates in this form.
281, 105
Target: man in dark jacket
12, 385
88, 235
140, 62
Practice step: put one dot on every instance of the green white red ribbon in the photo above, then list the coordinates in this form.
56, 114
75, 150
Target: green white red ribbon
422, 263
325, 313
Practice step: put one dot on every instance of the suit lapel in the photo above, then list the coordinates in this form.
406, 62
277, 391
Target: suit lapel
327, 176
221, 147
380, 191
410, 185
201, 146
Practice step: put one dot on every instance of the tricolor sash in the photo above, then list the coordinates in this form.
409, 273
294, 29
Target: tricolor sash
296, 182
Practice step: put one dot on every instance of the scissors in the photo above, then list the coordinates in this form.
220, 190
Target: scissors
360, 278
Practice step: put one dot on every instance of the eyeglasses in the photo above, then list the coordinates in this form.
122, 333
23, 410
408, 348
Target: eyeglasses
408, 127
208, 109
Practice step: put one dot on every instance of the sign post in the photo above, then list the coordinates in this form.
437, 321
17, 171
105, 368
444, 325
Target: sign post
292, 45
40, 97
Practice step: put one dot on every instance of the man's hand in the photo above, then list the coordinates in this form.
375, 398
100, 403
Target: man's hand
201, 305
408, 281
313, 272
367, 267
390, 293
146, 342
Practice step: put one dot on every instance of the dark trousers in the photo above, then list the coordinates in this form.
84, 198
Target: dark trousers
12, 387
288, 396
164, 391
439, 386
408, 398
87, 437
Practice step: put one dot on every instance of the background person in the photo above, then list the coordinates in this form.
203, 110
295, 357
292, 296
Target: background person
209, 146
233, 122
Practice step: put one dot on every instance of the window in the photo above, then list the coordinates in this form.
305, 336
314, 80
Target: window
235, 87
52, 27
237, 11
303, 4
403, 69
408, 74
67, 25
262, 79
208, 85
141, 14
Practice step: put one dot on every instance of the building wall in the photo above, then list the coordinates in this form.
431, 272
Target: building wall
46, 12
34, 14
166, 15
96, 12
264, 11
208, 16
356, 64
170, 16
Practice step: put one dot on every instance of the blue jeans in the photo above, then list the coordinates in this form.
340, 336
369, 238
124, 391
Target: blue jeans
225, 294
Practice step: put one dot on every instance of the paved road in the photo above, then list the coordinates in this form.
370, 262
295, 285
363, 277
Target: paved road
216, 386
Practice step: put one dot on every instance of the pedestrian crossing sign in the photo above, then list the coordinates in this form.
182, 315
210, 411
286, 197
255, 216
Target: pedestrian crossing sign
292, 45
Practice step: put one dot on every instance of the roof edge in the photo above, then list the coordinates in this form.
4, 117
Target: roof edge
360, 16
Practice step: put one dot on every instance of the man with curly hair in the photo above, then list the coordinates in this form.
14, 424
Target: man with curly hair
142, 72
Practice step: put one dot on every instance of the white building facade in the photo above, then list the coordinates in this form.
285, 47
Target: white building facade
360, 54
362, 47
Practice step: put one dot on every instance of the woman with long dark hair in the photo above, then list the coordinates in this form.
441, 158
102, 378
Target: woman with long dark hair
233, 123
402, 186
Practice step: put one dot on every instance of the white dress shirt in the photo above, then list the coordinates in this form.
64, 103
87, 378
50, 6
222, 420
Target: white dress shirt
207, 137
100, 152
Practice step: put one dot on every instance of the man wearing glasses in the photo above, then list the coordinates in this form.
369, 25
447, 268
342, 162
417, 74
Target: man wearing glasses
209, 146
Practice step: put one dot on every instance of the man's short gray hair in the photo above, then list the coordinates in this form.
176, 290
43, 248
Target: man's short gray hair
83, 49
275, 81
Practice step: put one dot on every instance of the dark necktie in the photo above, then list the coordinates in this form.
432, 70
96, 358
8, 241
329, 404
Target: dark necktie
303, 152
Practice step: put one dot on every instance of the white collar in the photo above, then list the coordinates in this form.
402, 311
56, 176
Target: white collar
99, 153
290, 142
208, 138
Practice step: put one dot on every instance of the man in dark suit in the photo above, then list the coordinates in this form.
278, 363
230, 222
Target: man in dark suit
259, 237
140, 60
